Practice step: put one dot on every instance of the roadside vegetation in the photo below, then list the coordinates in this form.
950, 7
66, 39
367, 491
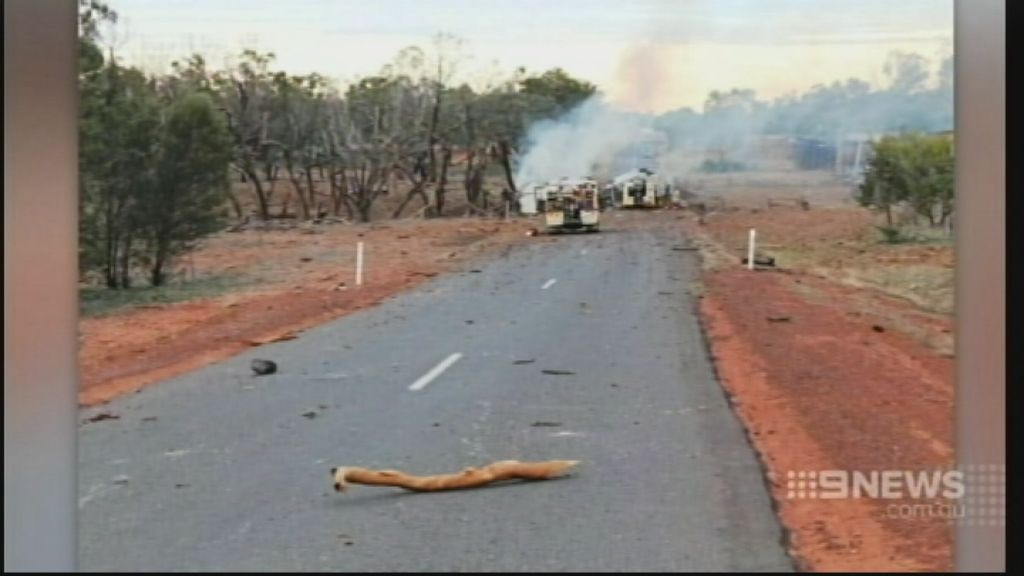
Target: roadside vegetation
912, 173
159, 154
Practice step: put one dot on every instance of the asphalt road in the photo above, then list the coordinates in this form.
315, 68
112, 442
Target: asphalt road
220, 470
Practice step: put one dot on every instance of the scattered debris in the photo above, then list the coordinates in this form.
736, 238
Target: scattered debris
467, 478
762, 261
103, 416
558, 372
546, 424
263, 367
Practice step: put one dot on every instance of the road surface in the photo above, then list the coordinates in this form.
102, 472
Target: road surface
220, 470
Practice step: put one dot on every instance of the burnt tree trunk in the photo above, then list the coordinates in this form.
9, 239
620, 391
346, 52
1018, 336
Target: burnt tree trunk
439, 190
435, 116
339, 194
311, 186
261, 196
296, 184
504, 151
126, 263
417, 191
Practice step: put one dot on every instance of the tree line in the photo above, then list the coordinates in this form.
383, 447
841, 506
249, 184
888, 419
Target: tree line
914, 99
158, 153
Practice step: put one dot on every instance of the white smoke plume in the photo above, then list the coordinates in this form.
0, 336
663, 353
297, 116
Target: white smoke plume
600, 140
584, 142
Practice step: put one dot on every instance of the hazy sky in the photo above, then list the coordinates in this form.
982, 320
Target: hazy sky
651, 55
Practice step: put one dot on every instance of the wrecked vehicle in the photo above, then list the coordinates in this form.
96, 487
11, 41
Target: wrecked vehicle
638, 189
573, 205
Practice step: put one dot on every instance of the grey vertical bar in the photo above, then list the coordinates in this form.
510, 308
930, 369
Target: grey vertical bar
980, 53
40, 269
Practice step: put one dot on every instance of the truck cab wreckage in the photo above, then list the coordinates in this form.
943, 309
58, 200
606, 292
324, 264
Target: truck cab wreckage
573, 205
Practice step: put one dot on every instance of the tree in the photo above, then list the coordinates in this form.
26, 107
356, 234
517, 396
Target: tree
187, 200
192, 76
562, 90
912, 168
91, 13
245, 94
907, 71
300, 111
384, 132
446, 57
119, 126
727, 123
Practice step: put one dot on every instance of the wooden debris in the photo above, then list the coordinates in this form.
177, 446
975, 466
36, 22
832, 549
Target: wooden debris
467, 478
279, 338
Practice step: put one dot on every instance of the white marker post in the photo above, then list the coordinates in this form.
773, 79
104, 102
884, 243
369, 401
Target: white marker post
750, 249
359, 263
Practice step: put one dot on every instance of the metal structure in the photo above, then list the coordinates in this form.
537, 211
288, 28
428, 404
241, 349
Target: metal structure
572, 205
639, 189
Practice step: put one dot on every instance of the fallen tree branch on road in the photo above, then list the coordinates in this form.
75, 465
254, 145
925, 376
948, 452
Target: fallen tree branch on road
467, 478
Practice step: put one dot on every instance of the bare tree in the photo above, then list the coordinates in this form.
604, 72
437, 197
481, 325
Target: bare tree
246, 94
383, 138
445, 59
300, 106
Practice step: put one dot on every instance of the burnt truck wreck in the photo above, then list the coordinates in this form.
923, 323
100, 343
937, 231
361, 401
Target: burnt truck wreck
572, 205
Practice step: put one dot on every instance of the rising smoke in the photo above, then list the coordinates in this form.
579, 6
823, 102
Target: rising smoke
599, 139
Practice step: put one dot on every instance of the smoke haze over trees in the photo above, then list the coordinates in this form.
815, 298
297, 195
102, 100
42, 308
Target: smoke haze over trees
157, 152
590, 136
